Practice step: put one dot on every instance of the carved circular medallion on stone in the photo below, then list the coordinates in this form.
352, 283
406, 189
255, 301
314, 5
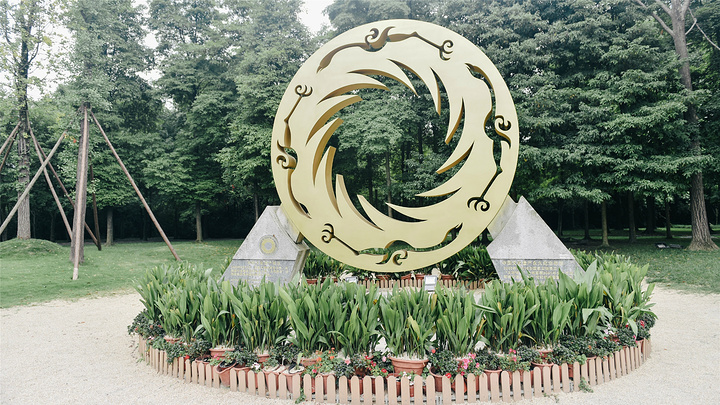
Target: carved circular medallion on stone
268, 244
302, 161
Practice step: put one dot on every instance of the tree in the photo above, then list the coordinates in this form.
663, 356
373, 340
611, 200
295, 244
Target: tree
273, 45
677, 12
194, 58
24, 27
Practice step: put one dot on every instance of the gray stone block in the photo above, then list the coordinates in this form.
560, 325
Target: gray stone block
270, 250
522, 239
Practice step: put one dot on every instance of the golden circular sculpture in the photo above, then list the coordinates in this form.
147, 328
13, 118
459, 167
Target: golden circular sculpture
302, 161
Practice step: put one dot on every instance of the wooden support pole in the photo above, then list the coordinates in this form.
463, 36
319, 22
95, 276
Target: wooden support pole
95, 212
8, 143
50, 185
30, 185
12, 136
137, 190
78, 240
62, 187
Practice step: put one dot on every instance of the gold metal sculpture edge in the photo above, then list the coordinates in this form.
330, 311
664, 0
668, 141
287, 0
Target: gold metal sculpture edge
302, 162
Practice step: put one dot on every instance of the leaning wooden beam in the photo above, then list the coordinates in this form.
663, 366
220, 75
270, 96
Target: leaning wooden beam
62, 187
137, 190
30, 185
78, 239
95, 211
52, 189
12, 136
9, 142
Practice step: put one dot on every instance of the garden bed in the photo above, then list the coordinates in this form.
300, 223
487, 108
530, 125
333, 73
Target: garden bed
551, 380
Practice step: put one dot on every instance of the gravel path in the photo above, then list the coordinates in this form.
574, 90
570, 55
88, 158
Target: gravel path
79, 352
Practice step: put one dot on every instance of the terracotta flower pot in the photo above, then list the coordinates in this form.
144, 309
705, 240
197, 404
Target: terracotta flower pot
311, 281
262, 358
447, 277
438, 383
307, 362
398, 385
171, 339
408, 366
219, 352
382, 277
223, 373
488, 373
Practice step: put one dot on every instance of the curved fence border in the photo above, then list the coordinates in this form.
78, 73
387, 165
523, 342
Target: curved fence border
506, 387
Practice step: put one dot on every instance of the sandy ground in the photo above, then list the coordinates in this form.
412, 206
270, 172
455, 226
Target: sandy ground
79, 352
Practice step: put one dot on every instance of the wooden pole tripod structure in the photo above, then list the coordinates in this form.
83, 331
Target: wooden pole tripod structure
79, 224
41, 157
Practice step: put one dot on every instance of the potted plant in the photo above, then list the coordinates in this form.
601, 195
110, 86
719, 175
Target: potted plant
314, 266
261, 316
325, 365
563, 355
346, 368
359, 334
408, 322
460, 324
443, 363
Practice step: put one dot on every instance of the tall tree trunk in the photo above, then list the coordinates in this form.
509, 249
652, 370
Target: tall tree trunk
677, 10
77, 244
650, 217
586, 213
605, 240
388, 180
198, 223
559, 229
257, 206
701, 239
53, 217
631, 217
23, 212
109, 221
21, 85
668, 225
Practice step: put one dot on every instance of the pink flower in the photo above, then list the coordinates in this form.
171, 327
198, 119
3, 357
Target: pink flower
384, 358
347, 361
465, 366
432, 351
477, 365
472, 356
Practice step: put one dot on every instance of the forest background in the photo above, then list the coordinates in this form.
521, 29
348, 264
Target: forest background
611, 131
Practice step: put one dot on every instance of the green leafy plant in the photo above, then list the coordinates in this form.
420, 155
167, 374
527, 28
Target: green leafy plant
317, 315
216, 324
408, 322
380, 364
360, 333
443, 362
261, 316
460, 323
508, 313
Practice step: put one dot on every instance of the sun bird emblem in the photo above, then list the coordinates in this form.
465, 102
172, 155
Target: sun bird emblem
302, 161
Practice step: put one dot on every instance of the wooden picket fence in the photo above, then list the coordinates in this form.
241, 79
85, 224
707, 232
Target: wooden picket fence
391, 390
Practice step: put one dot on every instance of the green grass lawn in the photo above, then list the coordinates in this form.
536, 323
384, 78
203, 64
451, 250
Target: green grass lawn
39, 271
